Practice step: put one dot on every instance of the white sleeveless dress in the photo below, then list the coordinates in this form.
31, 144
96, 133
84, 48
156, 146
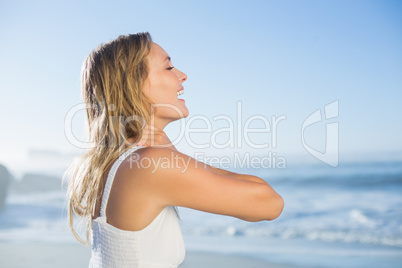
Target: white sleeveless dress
159, 245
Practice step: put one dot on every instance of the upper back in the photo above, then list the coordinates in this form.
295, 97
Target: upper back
127, 200
158, 242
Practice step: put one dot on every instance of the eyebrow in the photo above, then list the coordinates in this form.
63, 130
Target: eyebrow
168, 58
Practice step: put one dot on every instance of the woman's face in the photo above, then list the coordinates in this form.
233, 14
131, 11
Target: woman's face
163, 83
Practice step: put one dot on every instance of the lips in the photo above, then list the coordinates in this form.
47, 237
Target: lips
180, 91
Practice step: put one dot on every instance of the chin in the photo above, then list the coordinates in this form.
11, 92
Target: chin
185, 114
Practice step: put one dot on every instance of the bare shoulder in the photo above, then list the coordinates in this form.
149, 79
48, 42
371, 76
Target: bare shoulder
144, 167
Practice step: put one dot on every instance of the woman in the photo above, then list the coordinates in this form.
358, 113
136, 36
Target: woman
128, 185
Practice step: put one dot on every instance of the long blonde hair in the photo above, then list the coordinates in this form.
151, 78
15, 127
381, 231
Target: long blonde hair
113, 76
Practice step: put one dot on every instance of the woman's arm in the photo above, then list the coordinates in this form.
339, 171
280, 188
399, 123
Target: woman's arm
175, 179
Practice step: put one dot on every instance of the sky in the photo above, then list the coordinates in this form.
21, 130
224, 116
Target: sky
279, 60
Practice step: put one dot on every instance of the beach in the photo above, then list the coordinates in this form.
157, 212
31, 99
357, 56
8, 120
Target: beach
348, 217
18, 255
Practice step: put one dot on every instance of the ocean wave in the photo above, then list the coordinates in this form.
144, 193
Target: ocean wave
345, 236
352, 182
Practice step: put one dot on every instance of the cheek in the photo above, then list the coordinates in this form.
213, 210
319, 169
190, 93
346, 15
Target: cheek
162, 87
168, 85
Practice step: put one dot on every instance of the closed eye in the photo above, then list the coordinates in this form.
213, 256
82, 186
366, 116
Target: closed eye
170, 68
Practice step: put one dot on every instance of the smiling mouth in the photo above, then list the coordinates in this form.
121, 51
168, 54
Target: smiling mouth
180, 92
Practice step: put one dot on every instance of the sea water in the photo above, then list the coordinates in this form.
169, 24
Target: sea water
349, 216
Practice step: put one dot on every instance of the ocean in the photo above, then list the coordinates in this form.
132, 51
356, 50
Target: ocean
348, 216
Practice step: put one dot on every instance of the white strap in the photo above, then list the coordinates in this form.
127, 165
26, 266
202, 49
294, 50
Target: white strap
110, 178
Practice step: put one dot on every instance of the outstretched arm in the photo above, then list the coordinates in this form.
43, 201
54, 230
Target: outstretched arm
199, 187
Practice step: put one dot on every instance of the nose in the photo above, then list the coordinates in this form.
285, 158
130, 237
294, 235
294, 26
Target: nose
182, 76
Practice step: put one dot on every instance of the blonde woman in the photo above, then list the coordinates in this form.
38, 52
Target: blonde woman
128, 185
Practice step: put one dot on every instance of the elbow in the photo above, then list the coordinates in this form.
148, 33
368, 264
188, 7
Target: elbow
275, 208
270, 207
272, 204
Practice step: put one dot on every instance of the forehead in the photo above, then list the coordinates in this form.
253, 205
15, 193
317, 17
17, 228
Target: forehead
157, 52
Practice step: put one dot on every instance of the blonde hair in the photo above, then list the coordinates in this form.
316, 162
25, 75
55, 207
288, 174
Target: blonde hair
113, 76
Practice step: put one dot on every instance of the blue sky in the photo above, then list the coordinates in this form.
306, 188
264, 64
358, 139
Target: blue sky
276, 57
